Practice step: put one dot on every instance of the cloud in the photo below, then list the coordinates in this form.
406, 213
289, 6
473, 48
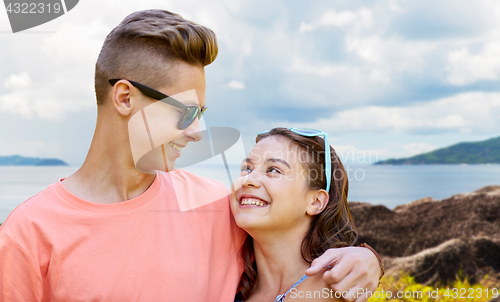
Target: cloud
373, 68
465, 67
18, 81
329, 86
53, 85
16, 102
75, 44
349, 153
418, 148
50, 102
467, 112
392, 55
299, 65
236, 85
332, 18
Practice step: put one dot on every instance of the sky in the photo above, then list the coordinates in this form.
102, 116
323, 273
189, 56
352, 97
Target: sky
385, 79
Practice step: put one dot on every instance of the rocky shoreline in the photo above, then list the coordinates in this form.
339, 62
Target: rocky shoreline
436, 240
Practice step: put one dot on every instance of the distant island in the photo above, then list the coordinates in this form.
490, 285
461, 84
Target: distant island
17, 160
484, 152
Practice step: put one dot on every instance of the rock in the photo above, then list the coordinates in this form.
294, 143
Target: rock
413, 203
451, 259
436, 240
489, 189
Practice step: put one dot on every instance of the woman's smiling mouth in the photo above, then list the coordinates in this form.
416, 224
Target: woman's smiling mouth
252, 201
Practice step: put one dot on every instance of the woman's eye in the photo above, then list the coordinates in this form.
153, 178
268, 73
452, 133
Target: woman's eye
245, 169
273, 169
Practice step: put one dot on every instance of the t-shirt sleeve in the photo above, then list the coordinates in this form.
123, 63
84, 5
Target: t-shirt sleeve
20, 280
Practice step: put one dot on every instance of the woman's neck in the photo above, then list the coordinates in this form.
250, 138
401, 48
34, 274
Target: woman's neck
279, 264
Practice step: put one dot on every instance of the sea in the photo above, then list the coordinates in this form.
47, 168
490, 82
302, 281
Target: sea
386, 185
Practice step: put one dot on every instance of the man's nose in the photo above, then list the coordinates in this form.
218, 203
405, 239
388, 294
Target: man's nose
194, 131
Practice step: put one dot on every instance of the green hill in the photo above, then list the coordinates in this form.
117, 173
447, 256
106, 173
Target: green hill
17, 160
484, 152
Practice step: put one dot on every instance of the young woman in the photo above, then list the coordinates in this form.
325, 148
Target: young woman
291, 199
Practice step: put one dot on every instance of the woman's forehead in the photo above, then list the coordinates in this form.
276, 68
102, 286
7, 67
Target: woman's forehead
273, 147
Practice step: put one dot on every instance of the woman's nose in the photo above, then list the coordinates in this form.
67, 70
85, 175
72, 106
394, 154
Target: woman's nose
252, 179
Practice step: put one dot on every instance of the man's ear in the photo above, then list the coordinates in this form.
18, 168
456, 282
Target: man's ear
317, 201
120, 97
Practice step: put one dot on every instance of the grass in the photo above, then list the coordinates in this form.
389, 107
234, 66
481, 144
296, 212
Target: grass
409, 290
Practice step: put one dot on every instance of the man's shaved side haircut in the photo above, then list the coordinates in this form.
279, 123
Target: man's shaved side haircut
146, 42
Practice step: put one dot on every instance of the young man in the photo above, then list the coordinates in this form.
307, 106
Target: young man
112, 233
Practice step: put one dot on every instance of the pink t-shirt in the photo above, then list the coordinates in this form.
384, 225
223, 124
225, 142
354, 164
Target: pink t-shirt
58, 247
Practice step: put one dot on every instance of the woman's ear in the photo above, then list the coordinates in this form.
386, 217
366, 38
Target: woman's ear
317, 202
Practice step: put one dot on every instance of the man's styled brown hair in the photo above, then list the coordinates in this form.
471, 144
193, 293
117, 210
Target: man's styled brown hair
147, 40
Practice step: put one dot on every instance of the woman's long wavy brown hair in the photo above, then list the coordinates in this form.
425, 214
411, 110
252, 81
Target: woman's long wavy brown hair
333, 227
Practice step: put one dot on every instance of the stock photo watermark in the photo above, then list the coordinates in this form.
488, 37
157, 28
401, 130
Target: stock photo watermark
449, 293
353, 170
24, 15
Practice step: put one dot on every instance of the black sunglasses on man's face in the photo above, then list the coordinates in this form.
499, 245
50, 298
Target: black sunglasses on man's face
189, 112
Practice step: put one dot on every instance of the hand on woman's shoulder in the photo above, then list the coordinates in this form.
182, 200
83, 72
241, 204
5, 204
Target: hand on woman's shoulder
312, 289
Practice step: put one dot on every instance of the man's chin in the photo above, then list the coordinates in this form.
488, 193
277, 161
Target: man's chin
157, 159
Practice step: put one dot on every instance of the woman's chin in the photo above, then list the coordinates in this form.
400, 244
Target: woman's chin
250, 217
248, 221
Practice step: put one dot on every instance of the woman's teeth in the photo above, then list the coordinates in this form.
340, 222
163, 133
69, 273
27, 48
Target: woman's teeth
176, 147
253, 202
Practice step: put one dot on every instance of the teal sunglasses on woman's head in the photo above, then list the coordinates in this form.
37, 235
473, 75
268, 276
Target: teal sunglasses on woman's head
328, 161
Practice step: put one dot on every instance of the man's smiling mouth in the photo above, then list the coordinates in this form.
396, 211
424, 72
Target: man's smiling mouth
175, 146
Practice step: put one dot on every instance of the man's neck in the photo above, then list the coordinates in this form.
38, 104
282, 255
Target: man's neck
108, 174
